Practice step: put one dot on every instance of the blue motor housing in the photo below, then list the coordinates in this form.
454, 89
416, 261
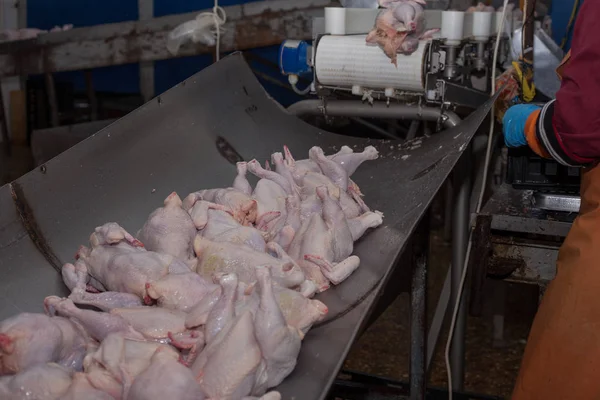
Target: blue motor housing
293, 57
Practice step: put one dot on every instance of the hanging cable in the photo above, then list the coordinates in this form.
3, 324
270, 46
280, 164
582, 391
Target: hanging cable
219, 18
488, 156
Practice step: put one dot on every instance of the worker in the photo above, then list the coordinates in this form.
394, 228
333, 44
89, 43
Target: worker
562, 356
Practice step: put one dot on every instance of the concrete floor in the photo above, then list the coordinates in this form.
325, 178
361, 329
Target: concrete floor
490, 368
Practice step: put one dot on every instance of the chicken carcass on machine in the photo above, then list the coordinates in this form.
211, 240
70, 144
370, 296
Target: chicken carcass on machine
214, 296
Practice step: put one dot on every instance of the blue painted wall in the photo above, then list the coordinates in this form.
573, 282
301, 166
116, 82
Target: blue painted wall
45, 14
560, 13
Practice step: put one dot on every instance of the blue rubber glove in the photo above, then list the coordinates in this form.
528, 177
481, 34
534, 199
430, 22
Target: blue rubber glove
514, 124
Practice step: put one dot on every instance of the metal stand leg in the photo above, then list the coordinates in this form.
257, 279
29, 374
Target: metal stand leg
418, 381
418, 314
460, 236
448, 198
499, 307
438, 320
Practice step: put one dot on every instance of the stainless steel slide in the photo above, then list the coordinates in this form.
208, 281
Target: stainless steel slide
190, 138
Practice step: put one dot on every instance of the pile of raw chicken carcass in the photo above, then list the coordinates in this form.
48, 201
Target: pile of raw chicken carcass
210, 301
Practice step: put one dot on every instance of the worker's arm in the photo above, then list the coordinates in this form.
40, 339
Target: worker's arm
568, 128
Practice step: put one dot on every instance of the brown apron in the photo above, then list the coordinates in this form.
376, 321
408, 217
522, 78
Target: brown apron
562, 357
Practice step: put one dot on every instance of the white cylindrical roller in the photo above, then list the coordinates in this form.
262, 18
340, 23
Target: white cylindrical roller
498, 22
345, 61
452, 26
335, 20
482, 25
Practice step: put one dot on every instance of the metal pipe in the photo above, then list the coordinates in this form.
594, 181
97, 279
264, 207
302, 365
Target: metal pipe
460, 238
479, 60
374, 128
450, 68
412, 129
354, 108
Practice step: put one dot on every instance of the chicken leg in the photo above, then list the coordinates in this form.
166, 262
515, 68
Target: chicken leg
279, 342
241, 182
229, 372
223, 311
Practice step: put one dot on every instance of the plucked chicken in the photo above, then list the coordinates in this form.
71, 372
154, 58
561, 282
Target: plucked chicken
213, 298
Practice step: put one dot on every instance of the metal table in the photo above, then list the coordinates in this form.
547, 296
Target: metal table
187, 139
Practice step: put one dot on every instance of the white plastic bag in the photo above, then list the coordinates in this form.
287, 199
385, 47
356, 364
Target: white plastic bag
205, 29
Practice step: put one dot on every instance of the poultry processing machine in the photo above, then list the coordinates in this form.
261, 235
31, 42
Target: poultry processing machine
452, 70
189, 138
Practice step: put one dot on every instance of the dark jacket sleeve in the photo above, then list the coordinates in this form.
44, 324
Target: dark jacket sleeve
569, 126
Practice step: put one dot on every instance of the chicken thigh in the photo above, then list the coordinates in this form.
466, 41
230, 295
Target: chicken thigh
229, 372
279, 342
223, 311
169, 230
30, 339
298, 310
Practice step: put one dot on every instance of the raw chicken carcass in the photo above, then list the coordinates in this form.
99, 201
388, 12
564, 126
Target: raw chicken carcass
389, 44
256, 169
120, 267
272, 210
170, 230
40, 382
411, 42
240, 204
179, 291
331, 169
227, 258
228, 371
222, 227
350, 161
411, 14
324, 245
241, 182
279, 342
142, 323
30, 339
118, 361
346, 157
97, 324
165, 378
